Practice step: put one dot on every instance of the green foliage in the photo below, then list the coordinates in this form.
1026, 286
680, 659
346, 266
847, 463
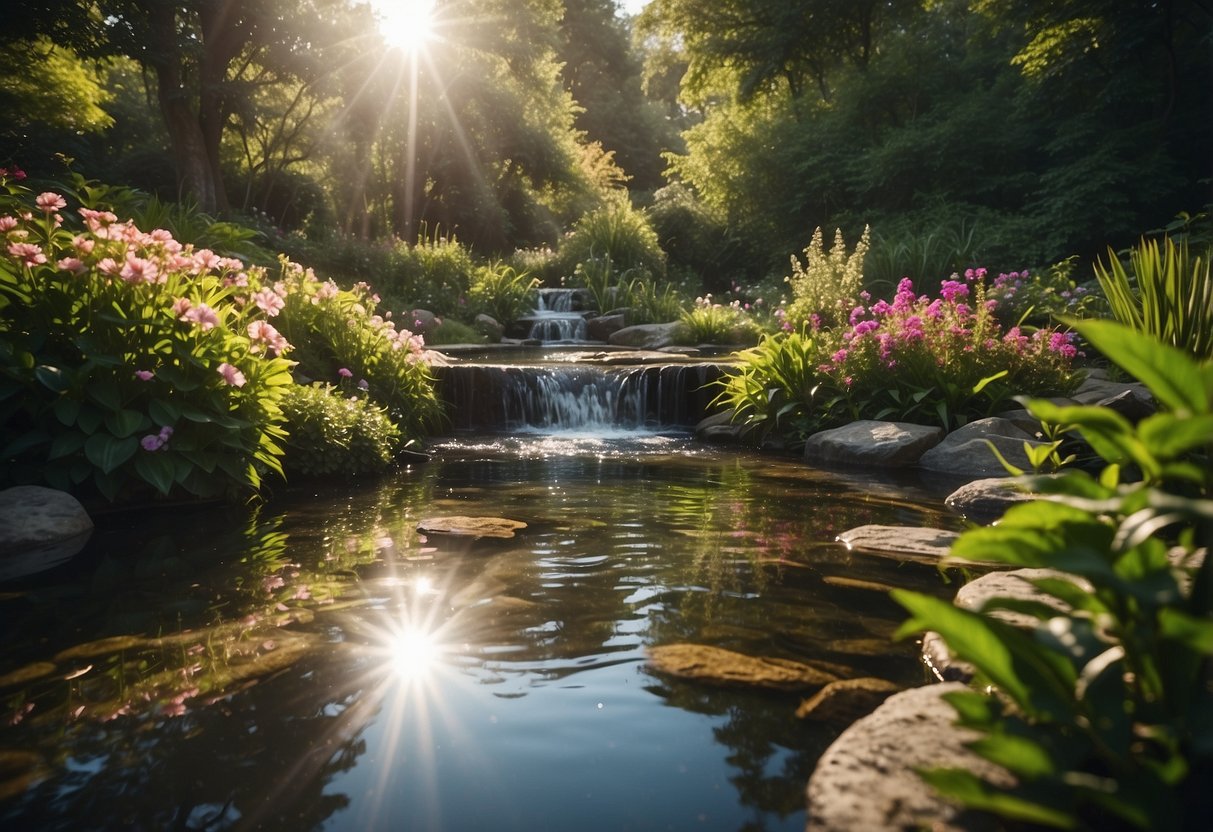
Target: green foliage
775, 386
921, 253
1044, 298
653, 303
41, 82
827, 285
453, 331
502, 292
338, 334
1110, 715
618, 232
434, 274
1169, 294
714, 323
129, 362
608, 289
697, 239
329, 432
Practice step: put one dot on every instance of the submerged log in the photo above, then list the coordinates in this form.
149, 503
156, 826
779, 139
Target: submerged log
716, 666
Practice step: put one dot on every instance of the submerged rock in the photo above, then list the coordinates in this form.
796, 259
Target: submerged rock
847, 699
717, 666
867, 778
905, 542
40, 528
872, 443
473, 528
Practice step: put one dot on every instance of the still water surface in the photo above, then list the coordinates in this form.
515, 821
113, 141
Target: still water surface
319, 664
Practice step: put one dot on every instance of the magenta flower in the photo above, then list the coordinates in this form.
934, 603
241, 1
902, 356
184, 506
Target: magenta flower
144, 375
231, 375
951, 290
29, 254
202, 315
345, 373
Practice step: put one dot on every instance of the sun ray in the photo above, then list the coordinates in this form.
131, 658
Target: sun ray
405, 24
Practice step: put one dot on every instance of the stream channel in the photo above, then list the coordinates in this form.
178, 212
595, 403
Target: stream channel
316, 663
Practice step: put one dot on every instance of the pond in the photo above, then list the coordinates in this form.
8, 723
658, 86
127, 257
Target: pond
319, 664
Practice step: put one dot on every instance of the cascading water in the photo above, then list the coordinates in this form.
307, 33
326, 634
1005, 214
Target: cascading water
577, 399
555, 320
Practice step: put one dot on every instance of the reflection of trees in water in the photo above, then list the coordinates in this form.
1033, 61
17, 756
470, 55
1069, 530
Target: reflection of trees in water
260, 756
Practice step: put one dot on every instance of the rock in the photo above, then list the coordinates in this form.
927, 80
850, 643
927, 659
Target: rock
646, 336
716, 666
867, 777
420, 321
603, 327
847, 699
489, 327
903, 542
1096, 389
40, 528
986, 500
974, 595
473, 528
965, 452
872, 443
1131, 403
719, 428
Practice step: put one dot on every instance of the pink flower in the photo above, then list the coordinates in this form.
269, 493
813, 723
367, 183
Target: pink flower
264, 333
202, 315
180, 307
144, 375
106, 265
71, 264
83, 245
7, 224
138, 270
345, 373
269, 302
50, 202
205, 260
29, 254
951, 290
231, 375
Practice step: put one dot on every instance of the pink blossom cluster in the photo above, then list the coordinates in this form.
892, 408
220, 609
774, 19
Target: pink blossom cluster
157, 441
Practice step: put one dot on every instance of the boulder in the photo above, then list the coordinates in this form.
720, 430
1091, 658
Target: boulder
965, 452
719, 428
603, 327
902, 542
716, 666
489, 327
420, 321
40, 528
867, 778
986, 500
646, 336
872, 443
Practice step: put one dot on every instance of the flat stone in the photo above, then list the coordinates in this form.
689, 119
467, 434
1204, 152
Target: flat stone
470, 527
965, 452
986, 500
847, 699
903, 542
717, 666
39, 528
646, 336
872, 443
1095, 389
867, 778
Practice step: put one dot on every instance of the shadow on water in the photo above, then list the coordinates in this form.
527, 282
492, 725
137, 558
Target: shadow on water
320, 664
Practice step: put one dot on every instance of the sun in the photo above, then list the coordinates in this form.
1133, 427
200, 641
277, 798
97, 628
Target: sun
405, 24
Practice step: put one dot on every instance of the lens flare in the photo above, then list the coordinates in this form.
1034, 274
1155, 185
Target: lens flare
405, 24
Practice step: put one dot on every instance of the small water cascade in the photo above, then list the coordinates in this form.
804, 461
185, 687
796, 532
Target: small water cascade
557, 319
577, 398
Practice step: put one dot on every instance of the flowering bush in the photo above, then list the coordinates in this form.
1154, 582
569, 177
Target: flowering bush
944, 359
127, 358
1041, 299
826, 286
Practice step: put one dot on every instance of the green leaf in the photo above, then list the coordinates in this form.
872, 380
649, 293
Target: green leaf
66, 444
27, 440
968, 789
123, 423
108, 453
163, 412
1019, 755
89, 418
105, 393
156, 469
1168, 436
66, 410
981, 385
1194, 633
53, 378
1171, 374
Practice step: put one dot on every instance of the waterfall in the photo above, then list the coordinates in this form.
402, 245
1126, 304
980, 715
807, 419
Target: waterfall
582, 398
557, 318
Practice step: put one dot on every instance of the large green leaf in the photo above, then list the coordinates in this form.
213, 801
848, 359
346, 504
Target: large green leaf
66, 410
54, 379
105, 393
1168, 436
968, 789
1172, 375
108, 453
157, 469
123, 423
66, 444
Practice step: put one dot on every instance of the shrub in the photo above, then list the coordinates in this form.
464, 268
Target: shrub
654, 303
128, 360
696, 239
944, 360
1043, 299
1103, 710
609, 289
713, 323
337, 329
774, 386
502, 292
619, 233
1169, 295
825, 288
329, 432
